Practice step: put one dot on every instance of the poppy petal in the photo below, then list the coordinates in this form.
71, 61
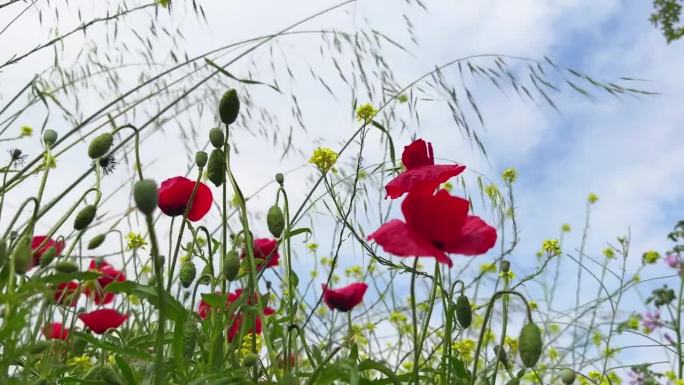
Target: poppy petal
438, 218
55, 331
417, 154
397, 238
345, 298
99, 321
476, 238
201, 204
174, 196
426, 178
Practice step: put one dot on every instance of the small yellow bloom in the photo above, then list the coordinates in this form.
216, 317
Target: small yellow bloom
609, 253
492, 191
488, 267
650, 257
509, 175
312, 247
592, 198
551, 246
26, 131
566, 228
464, 348
135, 241
323, 158
365, 113
448, 186
403, 98
509, 275
533, 305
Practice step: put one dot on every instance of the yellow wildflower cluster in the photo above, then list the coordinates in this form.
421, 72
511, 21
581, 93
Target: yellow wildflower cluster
248, 344
464, 348
135, 241
592, 198
488, 267
365, 113
26, 131
509, 175
551, 246
650, 257
323, 158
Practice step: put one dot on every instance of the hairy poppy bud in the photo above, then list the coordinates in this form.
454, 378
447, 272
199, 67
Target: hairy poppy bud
280, 178
216, 137
231, 265
250, 359
49, 137
201, 159
568, 376
216, 169
187, 274
145, 195
464, 313
229, 106
100, 145
96, 241
275, 221
66, 266
85, 217
48, 256
505, 266
191, 335
21, 256
530, 347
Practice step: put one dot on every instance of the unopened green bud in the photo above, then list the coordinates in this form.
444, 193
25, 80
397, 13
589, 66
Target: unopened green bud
250, 359
217, 137
464, 313
49, 137
22, 256
568, 376
96, 241
216, 169
191, 334
48, 256
275, 221
145, 195
201, 158
100, 145
231, 265
187, 274
530, 344
280, 178
66, 266
85, 217
229, 106
505, 266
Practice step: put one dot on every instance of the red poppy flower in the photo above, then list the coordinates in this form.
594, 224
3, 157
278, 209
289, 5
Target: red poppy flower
174, 194
99, 321
109, 275
38, 252
55, 331
236, 319
345, 298
435, 225
265, 248
421, 171
66, 293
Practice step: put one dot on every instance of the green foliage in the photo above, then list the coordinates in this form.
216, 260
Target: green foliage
666, 15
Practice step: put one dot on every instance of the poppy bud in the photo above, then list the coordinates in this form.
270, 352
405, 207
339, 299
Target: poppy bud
3, 251
66, 266
100, 145
229, 106
48, 256
568, 376
191, 335
275, 221
145, 195
21, 255
250, 359
49, 137
96, 241
201, 158
231, 265
505, 266
187, 274
280, 178
464, 313
216, 170
530, 347
85, 217
216, 137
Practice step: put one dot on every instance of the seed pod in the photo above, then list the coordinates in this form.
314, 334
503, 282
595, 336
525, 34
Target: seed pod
201, 159
250, 359
464, 313
96, 241
216, 169
48, 256
100, 145
505, 266
22, 256
530, 347
191, 335
3, 251
275, 221
568, 376
66, 266
49, 137
85, 217
216, 137
187, 274
280, 178
145, 195
229, 106
231, 265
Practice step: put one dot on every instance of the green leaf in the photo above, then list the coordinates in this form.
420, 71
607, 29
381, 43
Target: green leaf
175, 310
111, 347
214, 300
246, 81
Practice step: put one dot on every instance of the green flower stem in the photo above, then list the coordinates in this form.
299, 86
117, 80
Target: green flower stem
291, 310
179, 239
414, 314
680, 301
158, 271
504, 325
431, 305
138, 165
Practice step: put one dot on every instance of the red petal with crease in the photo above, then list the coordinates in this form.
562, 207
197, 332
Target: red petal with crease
99, 321
426, 178
476, 238
344, 298
417, 154
174, 196
55, 331
397, 238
